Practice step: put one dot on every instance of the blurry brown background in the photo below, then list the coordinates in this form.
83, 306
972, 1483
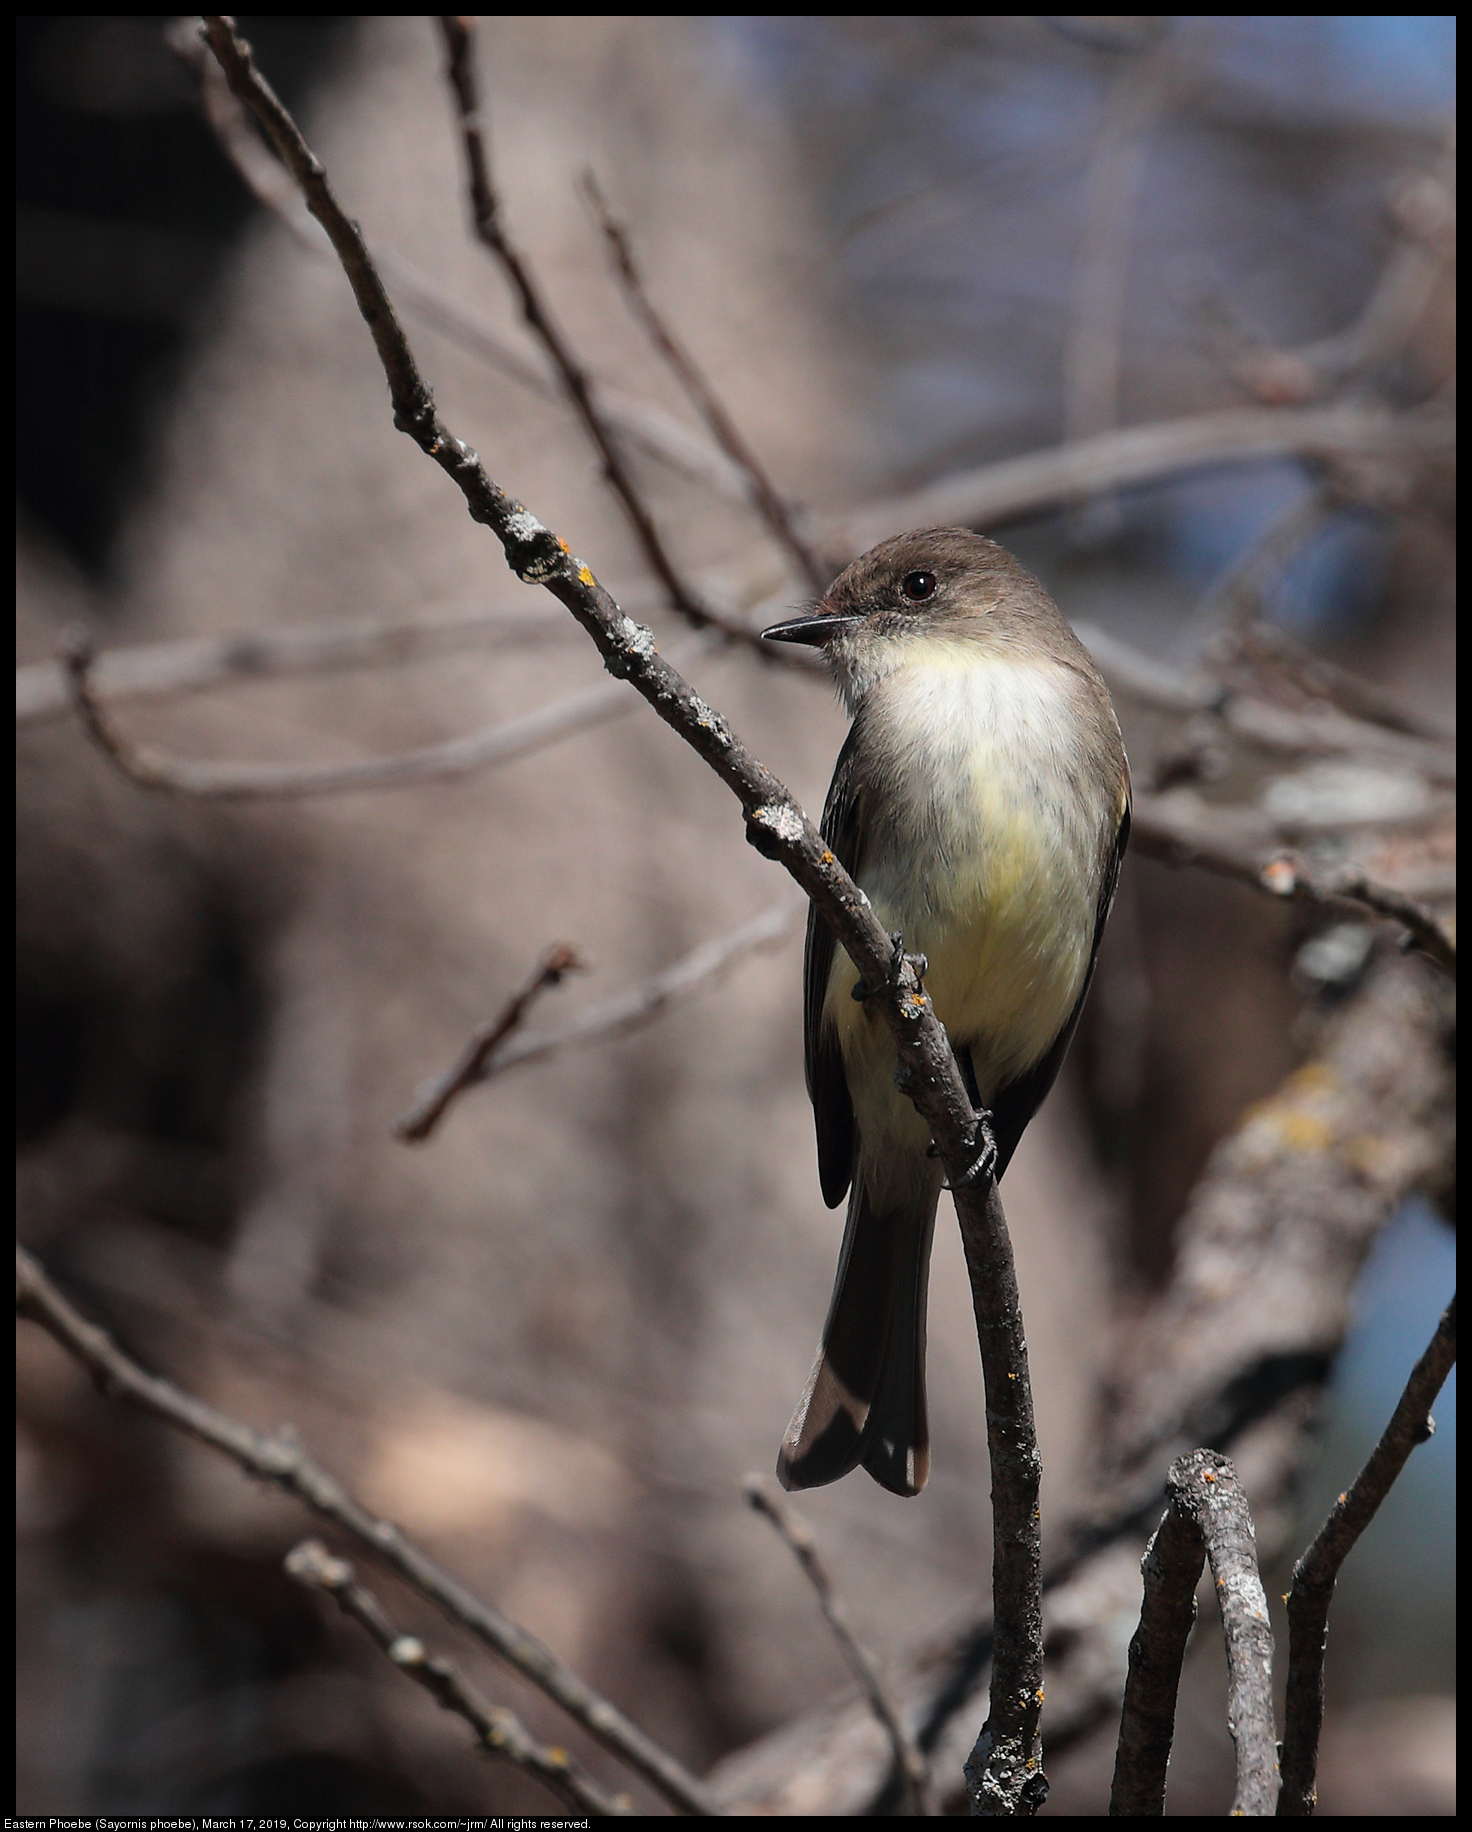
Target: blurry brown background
551, 1341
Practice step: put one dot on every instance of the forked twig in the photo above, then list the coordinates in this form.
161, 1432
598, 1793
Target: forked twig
764, 495
470, 1066
1211, 1519
1316, 1573
625, 1012
798, 1536
499, 1731
281, 1459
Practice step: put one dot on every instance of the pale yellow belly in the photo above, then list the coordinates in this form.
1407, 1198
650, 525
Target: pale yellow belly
1003, 902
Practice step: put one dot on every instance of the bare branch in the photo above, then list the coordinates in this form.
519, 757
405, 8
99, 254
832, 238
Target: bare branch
498, 1730
644, 425
1012, 487
774, 511
1204, 1488
1171, 1569
458, 32
1265, 723
926, 1068
628, 1011
1243, 587
494, 744
281, 1459
1316, 1573
157, 671
1264, 644
798, 1536
1207, 1499
558, 961
1179, 832
1424, 213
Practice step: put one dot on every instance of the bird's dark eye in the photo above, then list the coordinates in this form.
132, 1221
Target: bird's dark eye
919, 586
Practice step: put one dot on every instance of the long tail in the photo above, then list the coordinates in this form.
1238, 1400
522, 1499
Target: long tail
865, 1398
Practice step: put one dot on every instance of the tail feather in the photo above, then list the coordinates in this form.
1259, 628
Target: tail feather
865, 1398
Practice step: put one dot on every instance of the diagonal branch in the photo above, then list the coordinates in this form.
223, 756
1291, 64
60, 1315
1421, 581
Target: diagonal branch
926, 1070
498, 1730
282, 1459
767, 500
1316, 1573
798, 1536
626, 1011
556, 963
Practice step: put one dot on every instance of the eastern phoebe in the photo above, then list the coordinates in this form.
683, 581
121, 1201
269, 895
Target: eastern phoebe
982, 801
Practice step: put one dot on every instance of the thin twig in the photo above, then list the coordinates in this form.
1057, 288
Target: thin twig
1316, 1573
493, 744
1180, 833
765, 497
1264, 645
628, 1011
1171, 1570
1269, 726
158, 671
281, 1459
498, 1730
1242, 589
778, 828
798, 1536
470, 1066
458, 32
1204, 1490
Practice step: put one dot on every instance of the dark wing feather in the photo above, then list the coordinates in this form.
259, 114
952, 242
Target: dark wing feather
1019, 1100
833, 1112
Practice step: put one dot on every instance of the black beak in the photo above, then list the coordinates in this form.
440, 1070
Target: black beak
815, 631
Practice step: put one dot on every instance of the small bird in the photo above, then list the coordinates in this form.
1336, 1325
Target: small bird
982, 802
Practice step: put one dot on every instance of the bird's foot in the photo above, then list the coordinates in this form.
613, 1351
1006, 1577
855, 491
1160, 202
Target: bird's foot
984, 1167
898, 961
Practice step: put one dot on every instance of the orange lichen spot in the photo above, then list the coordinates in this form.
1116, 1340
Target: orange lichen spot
585, 576
826, 859
1208, 1475
563, 545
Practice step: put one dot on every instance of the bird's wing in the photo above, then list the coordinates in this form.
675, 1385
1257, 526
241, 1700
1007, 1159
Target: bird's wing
833, 1111
1019, 1100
